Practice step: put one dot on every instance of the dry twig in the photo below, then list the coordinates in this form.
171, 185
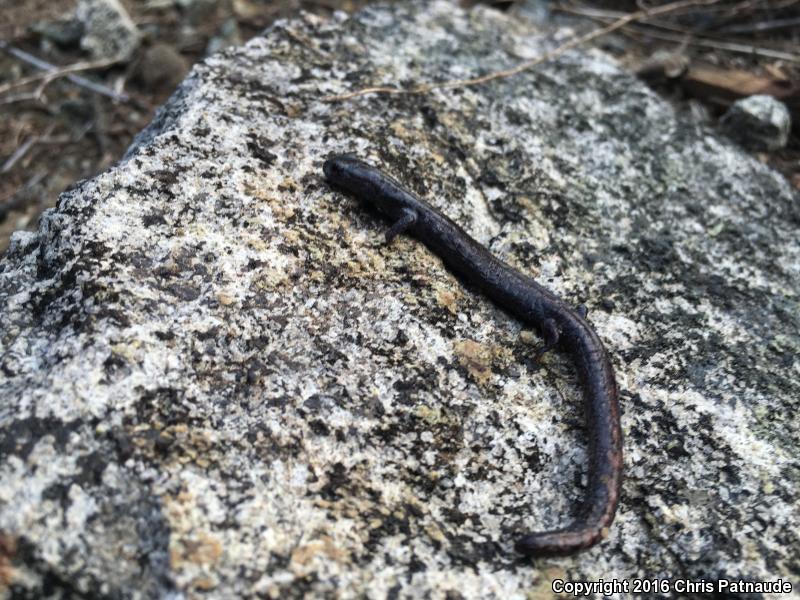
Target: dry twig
762, 26
21, 151
723, 45
524, 66
680, 35
16, 200
24, 147
52, 72
27, 97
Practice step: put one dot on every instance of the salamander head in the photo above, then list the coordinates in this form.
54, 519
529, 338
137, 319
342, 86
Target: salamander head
368, 184
342, 169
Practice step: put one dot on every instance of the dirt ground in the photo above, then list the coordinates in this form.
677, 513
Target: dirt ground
54, 131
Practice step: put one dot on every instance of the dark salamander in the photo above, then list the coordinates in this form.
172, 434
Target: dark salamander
560, 325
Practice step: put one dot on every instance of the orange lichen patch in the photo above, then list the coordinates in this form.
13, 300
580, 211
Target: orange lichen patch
435, 533
225, 299
201, 549
176, 443
400, 130
288, 184
502, 355
475, 358
204, 583
271, 279
282, 210
438, 158
184, 498
450, 120
265, 191
324, 547
293, 109
528, 337
205, 549
8, 548
448, 299
256, 190
541, 586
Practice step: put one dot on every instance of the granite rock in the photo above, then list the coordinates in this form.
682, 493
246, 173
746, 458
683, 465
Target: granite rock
218, 381
108, 30
758, 122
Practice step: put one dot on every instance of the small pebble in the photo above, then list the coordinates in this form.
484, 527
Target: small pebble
758, 123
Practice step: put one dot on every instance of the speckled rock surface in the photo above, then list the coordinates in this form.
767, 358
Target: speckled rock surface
218, 382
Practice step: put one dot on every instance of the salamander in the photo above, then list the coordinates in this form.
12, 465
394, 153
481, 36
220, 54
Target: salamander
560, 325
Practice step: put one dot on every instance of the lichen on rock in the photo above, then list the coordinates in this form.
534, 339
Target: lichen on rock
218, 380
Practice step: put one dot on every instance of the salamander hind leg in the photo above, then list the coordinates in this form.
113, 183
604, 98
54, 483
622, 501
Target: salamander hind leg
551, 334
404, 222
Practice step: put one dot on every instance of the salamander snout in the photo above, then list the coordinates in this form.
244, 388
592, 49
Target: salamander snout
337, 167
330, 168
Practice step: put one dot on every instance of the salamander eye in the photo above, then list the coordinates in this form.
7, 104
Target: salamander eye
331, 168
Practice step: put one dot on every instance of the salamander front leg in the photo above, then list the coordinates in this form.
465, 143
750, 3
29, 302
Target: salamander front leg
404, 222
551, 333
582, 310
